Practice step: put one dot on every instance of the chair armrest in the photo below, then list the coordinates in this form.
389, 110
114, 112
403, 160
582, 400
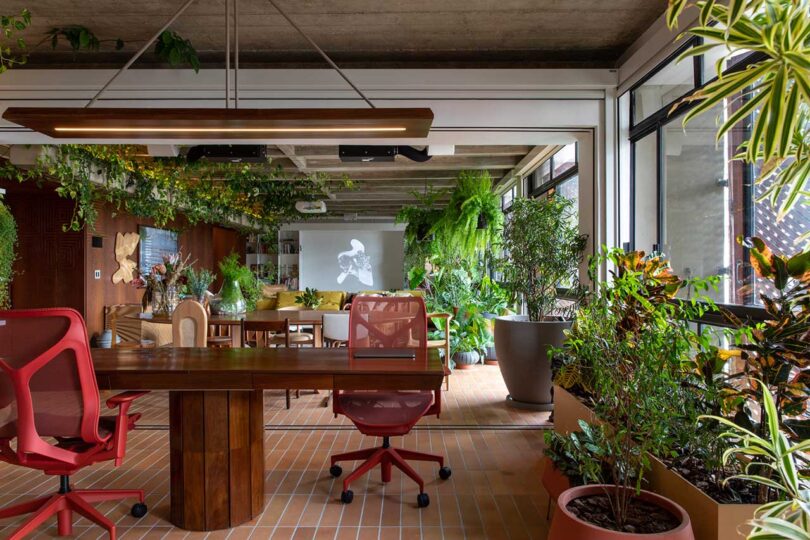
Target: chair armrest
119, 442
124, 397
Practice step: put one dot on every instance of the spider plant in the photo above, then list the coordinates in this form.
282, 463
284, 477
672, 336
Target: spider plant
780, 467
775, 89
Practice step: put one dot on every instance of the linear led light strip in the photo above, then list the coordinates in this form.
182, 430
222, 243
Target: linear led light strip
229, 130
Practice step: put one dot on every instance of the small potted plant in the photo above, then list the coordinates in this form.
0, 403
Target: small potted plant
230, 300
309, 298
198, 282
468, 336
543, 251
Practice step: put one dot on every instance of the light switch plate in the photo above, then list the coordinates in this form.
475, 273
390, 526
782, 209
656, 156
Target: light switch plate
97, 274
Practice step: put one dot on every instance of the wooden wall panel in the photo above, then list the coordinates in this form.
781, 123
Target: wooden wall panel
226, 241
198, 241
50, 263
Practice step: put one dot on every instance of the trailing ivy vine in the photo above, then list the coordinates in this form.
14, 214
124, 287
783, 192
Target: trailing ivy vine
10, 27
160, 188
173, 49
8, 244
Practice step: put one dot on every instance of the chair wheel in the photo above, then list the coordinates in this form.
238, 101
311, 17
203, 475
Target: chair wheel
138, 510
422, 500
347, 497
335, 470
445, 472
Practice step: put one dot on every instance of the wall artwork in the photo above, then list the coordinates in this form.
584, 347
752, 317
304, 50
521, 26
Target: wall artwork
125, 245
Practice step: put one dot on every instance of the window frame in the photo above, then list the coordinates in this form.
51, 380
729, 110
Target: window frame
654, 124
553, 181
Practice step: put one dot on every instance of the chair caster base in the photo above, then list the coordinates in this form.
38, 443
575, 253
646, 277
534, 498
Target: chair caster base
335, 470
422, 500
138, 510
445, 472
347, 497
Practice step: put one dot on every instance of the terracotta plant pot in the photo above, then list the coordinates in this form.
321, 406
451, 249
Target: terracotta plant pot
521, 347
553, 480
566, 526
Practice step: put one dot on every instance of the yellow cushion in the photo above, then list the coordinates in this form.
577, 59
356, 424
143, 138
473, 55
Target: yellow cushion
329, 307
286, 299
266, 303
412, 292
331, 299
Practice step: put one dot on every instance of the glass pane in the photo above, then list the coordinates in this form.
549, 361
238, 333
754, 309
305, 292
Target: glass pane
565, 159
698, 230
645, 191
711, 58
570, 190
541, 175
663, 89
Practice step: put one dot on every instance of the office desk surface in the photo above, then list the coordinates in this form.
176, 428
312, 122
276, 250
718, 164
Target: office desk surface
216, 412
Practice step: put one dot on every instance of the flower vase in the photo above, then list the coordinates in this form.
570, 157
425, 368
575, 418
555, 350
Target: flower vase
170, 299
157, 301
229, 301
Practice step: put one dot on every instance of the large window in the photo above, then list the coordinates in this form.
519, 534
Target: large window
559, 168
685, 195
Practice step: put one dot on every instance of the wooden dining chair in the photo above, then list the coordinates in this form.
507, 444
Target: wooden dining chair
266, 334
442, 343
189, 325
124, 328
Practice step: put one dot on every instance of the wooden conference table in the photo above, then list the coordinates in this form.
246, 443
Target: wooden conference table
304, 317
216, 412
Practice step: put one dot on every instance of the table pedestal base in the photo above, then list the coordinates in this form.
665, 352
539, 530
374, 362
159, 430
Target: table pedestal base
217, 458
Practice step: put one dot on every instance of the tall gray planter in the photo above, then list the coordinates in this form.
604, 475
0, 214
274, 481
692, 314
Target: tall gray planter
521, 347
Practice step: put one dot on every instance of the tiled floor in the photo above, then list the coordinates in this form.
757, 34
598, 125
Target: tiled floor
494, 492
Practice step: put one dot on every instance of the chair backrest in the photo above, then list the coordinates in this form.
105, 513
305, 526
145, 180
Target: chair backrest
189, 325
118, 319
47, 382
262, 328
336, 326
388, 322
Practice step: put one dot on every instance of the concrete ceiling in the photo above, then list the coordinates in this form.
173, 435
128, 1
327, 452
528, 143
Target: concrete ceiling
356, 33
383, 188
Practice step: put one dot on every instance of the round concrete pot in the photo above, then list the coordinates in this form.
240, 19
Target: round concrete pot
465, 360
566, 525
521, 347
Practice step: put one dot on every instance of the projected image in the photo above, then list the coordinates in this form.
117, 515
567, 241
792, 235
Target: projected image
355, 263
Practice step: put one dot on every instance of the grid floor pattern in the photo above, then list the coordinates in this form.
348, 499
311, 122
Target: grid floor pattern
494, 492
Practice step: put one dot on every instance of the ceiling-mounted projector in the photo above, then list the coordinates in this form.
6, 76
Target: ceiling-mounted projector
365, 153
228, 153
311, 207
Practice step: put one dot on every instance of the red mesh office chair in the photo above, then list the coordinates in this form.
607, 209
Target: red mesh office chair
48, 390
387, 322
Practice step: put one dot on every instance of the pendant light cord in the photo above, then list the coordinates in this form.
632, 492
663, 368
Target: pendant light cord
139, 53
322, 53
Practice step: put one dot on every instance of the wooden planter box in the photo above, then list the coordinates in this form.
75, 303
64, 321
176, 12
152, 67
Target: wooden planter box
710, 519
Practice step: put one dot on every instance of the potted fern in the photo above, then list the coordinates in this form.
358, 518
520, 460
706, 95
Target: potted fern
543, 250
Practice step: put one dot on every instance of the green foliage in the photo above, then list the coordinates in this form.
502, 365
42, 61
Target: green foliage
199, 281
780, 468
777, 88
420, 240
473, 220
78, 37
468, 330
8, 244
159, 189
543, 250
630, 344
580, 455
776, 352
234, 271
10, 27
309, 298
172, 48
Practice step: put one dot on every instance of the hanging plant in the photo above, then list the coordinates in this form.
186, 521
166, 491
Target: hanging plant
8, 243
173, 49
80, 38
160, 189
10, 27
776, 89
473, 220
